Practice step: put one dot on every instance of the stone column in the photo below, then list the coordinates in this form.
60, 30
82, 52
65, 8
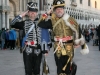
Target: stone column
20, 5
41, 4
27, 1
7, 2
3, 2
0, 3
3, 19
7, 16
38, 5
79, 15
83, 15
76, 15
0, 21
0, 16
24, 5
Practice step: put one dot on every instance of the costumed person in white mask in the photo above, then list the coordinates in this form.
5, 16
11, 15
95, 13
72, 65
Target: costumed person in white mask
67, 36
31, 44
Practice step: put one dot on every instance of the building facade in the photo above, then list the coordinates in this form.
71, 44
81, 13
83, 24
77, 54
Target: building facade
11, 8
86, 12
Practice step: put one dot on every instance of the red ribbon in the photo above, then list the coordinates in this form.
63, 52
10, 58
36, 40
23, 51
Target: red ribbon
32, 42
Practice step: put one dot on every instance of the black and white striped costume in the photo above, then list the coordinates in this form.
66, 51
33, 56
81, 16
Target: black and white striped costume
35, 33
25, 25
32, 60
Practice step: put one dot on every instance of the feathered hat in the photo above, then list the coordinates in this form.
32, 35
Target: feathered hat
32, 6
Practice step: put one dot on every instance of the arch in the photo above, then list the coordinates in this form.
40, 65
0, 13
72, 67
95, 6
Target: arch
13, 3
13, 9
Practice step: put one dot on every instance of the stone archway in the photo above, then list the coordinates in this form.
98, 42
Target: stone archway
12, 9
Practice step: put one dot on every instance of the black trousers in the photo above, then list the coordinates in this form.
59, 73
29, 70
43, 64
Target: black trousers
6, 43
12, 44
60, 63
32, 62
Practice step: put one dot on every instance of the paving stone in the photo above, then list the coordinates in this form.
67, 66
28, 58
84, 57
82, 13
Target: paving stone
11, 62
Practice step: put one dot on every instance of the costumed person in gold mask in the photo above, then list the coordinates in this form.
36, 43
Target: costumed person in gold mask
67, 35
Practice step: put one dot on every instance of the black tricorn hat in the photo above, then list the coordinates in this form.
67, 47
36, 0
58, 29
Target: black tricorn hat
32, 6
58, 3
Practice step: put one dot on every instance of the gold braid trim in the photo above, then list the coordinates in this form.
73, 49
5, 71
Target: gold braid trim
74, 23
61, 25
58, 5
73, 20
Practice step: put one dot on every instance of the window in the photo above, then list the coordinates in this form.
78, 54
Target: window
80, 1
89, 2
95, 4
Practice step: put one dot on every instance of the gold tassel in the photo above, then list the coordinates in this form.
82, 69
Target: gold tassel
63, 51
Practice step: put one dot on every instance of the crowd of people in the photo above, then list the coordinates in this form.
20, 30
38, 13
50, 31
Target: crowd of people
92, 34
10, 38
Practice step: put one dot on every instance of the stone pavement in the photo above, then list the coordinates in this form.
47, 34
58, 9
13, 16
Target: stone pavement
11, 62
